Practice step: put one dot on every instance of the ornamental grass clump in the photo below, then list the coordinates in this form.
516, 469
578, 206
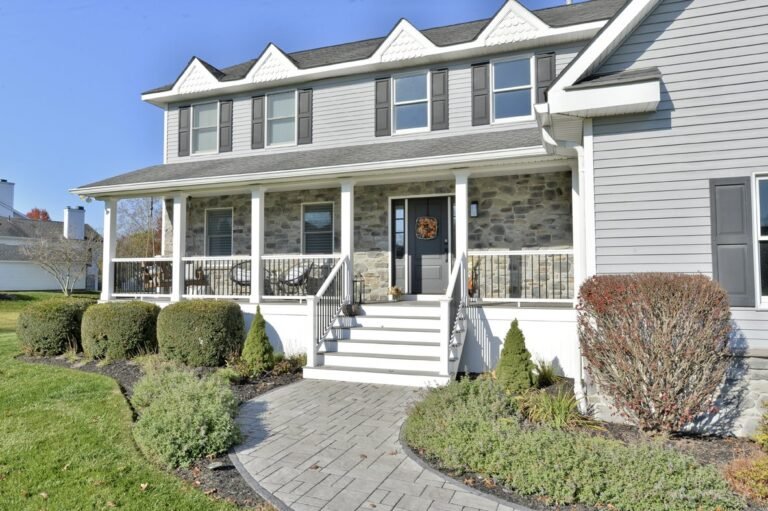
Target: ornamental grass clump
514, 370
656, 344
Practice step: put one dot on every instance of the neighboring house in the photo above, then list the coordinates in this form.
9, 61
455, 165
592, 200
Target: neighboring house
485, 168
17, 271
6, 201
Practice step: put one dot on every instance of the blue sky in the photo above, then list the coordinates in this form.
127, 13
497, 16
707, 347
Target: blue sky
73, 70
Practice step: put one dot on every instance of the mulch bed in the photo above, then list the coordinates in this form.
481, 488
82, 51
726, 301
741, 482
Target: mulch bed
216, 476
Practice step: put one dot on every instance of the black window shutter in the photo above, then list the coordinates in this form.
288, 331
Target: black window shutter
439, 99
545, 75
732, 249
257, 123
184, 131
481, 95
225, 126
304, 120
383, 106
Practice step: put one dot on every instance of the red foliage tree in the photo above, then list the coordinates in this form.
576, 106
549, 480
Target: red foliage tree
38, 214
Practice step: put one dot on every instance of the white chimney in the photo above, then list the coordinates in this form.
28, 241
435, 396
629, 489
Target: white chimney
74, 223
6, 198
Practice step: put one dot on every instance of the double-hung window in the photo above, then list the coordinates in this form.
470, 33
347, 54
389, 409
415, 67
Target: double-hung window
762, 235
205, 121
218, 232
281, 118
317, 220
512, 89
411, 103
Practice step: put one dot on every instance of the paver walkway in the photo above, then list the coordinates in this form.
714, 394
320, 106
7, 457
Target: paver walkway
334, 446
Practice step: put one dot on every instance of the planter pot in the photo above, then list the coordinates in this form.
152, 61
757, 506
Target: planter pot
393, 298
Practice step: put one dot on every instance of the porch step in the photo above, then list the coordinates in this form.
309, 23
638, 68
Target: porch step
396, 363
383, 347
376, 376
410, 309
384, 321
363, 333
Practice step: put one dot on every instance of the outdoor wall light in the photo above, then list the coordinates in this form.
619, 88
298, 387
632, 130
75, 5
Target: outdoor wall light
474, 209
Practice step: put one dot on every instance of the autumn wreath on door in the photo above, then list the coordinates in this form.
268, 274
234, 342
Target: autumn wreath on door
426, 228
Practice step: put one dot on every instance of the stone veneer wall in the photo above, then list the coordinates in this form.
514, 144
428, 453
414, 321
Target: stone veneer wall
241, 222
282, 218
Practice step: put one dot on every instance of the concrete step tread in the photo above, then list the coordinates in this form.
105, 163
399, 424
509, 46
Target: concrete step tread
388, 329
380, 356
380, 371
388, 342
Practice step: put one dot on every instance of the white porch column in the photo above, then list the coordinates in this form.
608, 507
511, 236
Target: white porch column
179, 244
462, 220
348, 235
257, 243
578, 220
109, 249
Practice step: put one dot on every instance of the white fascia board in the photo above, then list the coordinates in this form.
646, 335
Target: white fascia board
282, 71
447, 161
621, 99
603, 45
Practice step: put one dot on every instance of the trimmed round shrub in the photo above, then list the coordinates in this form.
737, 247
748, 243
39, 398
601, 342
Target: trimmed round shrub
183, 417
201, 333
51, 327
119, 330
656, 344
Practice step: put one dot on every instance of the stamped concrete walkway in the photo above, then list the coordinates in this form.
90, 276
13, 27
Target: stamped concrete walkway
334, 446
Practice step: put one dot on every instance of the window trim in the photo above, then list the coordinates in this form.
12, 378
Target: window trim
295, 141
192, 126
427, 100
761, 301
231, 235
333, 225
531, 87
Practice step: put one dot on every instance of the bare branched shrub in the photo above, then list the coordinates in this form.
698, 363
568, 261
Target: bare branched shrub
657, 344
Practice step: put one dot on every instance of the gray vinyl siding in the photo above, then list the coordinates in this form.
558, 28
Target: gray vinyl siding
344, 112
652, 172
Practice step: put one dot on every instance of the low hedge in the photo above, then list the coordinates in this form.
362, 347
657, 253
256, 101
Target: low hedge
469, 427
183, 418
201, 333
119, 330
51, 327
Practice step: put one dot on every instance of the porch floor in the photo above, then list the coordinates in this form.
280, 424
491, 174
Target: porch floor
319, 445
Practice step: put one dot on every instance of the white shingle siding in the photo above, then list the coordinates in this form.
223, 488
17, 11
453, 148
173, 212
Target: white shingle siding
344, 108
652, 171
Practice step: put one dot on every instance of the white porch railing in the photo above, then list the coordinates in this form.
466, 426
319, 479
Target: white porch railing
217, 277
292, 276
324, 307
142, 277
522, 276
453, 318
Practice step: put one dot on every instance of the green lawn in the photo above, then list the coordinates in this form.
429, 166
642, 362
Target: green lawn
65, 440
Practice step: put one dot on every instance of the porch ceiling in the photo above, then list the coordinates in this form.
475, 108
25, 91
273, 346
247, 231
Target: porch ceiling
450, 150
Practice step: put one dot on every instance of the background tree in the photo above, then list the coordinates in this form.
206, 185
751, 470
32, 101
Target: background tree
139, 232
65, 259
38, 214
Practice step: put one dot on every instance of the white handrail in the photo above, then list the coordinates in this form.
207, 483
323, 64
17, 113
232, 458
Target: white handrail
216, 258
331, 276
525, 252
455, 276
142, 259
273, 257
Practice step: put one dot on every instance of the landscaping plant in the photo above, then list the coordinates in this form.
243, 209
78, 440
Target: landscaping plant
183, 418
51, 327
514, 370
120, 330
559, 410
545, 374
258, 355
471, 427
656, 344
201, 332
750, 477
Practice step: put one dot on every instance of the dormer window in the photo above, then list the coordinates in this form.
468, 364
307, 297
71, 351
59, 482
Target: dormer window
281, 118
512, 89
205, 118
411, 103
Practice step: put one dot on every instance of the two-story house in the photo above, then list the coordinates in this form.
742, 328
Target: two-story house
484, 169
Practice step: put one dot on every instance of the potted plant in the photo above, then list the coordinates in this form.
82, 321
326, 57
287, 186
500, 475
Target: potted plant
395, 293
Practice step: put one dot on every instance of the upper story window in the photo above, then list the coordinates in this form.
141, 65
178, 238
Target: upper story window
205, 119
512, 89
281, 118
218, 232
411, 103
